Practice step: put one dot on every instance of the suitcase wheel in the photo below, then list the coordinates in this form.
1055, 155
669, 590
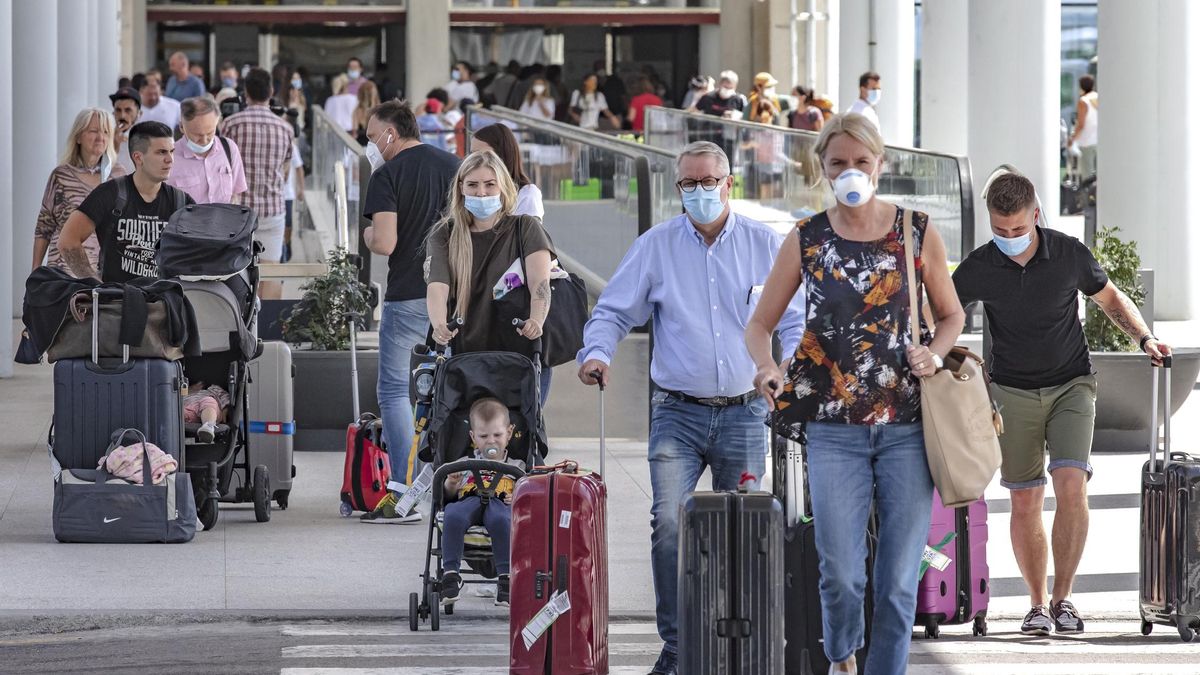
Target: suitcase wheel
1185, 630
932, 631
345, 510
980, 626
1146, 627
414, 610
281, 498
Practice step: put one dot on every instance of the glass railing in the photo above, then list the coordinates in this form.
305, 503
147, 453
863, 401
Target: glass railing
332, 146
777, 179
599, 192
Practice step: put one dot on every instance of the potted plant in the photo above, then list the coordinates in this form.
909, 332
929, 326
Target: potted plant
318, 327
1123, 373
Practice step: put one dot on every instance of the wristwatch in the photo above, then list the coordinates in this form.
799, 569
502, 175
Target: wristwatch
1146, 338
937, 362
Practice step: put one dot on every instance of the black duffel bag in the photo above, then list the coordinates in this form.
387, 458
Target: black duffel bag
562, 332
93, 506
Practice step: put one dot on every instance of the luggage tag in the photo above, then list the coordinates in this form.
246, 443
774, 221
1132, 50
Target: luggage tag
933, 556
418, 490
558, 605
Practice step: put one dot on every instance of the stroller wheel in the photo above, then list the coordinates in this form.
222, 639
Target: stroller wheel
207, 513
345, 510
414, 609
435, 615
281, 498
262, 494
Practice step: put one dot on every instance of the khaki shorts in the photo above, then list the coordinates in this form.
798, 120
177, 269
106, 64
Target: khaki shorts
1059, 419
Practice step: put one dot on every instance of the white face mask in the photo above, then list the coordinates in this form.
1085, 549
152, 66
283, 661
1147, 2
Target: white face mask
853, 188
726, 92
769, 92
375, 154
873, 96
539, 89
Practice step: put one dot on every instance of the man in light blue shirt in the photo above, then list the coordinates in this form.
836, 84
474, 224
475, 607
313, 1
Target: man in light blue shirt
182, 84
700, 276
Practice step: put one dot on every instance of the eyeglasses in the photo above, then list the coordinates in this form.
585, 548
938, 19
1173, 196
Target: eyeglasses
709, 184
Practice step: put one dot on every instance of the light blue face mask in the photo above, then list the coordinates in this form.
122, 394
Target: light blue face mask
482, 207
199, 149
873, 96
1013, 246
704, 206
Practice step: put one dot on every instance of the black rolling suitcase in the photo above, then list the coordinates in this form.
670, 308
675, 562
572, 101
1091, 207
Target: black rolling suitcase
94, 397
730, 572
1169, 557
804, 651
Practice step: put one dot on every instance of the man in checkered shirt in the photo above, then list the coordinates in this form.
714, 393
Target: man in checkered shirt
266, 144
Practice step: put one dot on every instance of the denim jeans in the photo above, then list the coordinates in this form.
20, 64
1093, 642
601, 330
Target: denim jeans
460, 515
685, 438
404, 324
848, 466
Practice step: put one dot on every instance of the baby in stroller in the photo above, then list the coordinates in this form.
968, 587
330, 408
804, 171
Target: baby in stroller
491, 431
206, 406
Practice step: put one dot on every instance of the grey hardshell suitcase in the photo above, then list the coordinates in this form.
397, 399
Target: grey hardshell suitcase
94, 397
271, 412
730, 576
1169, 554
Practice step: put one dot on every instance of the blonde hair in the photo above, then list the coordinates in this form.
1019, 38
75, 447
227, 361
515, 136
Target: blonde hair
486, 410
72, 154
457, 220
368, 96
853, 125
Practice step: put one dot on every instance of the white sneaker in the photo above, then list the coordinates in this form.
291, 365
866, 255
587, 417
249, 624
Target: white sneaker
207, 432
485, 591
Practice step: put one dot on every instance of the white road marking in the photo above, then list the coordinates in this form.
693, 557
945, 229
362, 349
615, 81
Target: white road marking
447, 649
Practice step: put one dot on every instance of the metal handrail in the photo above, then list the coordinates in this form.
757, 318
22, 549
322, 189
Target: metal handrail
963, 164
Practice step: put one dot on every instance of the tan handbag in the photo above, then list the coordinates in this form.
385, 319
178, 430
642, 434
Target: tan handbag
962, 425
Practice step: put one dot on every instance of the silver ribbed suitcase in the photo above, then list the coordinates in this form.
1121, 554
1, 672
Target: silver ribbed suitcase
271, 411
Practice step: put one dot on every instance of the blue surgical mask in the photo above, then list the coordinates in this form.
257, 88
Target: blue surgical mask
199, 149
353, 73
704, 206
455, 75
297, 83
230, 82
873, 96
1013, 246
482, 207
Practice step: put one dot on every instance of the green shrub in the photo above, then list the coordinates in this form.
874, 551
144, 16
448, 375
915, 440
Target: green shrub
320, 318
1120, 260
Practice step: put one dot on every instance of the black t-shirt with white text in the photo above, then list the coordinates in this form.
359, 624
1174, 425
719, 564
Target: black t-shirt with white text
712, 104
413, 185
128, 240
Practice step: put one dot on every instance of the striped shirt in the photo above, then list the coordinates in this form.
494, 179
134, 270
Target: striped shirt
266, 144
65, 191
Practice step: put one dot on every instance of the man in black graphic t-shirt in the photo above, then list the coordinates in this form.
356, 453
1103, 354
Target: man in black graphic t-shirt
128, 232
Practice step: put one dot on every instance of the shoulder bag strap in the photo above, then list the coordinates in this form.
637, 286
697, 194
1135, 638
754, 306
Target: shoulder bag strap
122, 197
521, 257
909, 269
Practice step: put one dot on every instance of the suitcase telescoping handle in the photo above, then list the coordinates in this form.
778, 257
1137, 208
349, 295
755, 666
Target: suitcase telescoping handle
96, 293
595, 375
1166, 367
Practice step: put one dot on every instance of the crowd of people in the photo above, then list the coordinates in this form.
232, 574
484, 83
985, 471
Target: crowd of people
718, 284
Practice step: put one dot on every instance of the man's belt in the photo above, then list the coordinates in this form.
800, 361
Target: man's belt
714, 401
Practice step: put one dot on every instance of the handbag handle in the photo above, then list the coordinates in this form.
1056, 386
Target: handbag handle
115, 441
914, 323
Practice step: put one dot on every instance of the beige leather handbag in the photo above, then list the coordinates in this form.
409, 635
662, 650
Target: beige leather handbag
962, 425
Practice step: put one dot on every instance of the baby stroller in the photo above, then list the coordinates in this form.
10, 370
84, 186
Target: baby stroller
210, 250
460, 381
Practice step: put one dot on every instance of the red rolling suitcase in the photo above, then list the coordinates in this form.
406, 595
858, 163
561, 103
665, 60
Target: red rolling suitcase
367, 469
558, 621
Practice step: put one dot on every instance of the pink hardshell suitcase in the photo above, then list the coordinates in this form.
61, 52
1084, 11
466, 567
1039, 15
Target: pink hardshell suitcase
959, 593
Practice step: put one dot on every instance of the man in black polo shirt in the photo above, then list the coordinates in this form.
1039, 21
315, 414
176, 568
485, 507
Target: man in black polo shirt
1029, 279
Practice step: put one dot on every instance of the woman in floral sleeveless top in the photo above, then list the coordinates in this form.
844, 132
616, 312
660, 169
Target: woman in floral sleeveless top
853, 391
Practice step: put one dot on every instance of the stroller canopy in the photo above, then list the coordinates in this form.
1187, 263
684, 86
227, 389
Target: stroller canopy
464, 379
219, 315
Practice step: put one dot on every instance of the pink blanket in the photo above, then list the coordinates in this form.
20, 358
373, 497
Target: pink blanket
126, 462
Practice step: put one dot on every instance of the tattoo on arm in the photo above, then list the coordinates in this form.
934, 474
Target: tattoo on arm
78, 261
542, 296
1125, 315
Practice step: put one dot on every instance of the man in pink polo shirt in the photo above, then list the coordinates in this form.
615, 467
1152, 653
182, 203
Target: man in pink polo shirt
207, 167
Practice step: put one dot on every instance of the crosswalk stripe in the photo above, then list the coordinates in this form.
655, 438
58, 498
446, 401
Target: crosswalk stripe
433, 670
1162, 647
977, 668
447, 649
473, 629
436, 670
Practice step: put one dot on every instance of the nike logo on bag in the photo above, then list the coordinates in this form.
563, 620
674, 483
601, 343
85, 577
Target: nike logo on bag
111, 520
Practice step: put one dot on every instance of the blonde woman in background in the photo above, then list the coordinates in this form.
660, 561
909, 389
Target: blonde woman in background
88, 160
368, 99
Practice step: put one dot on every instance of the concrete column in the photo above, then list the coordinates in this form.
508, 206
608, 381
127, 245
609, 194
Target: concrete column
828, 81
35, 149
427, 46
944, 75
895, 60
1013, 67
73, 72
1149, 154
108, 49
133, 36
8, 258
710, 50
737, 41
854, 55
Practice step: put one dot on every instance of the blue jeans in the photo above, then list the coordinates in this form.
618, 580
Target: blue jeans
404, 324
684, 439
460, 515
848, 466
